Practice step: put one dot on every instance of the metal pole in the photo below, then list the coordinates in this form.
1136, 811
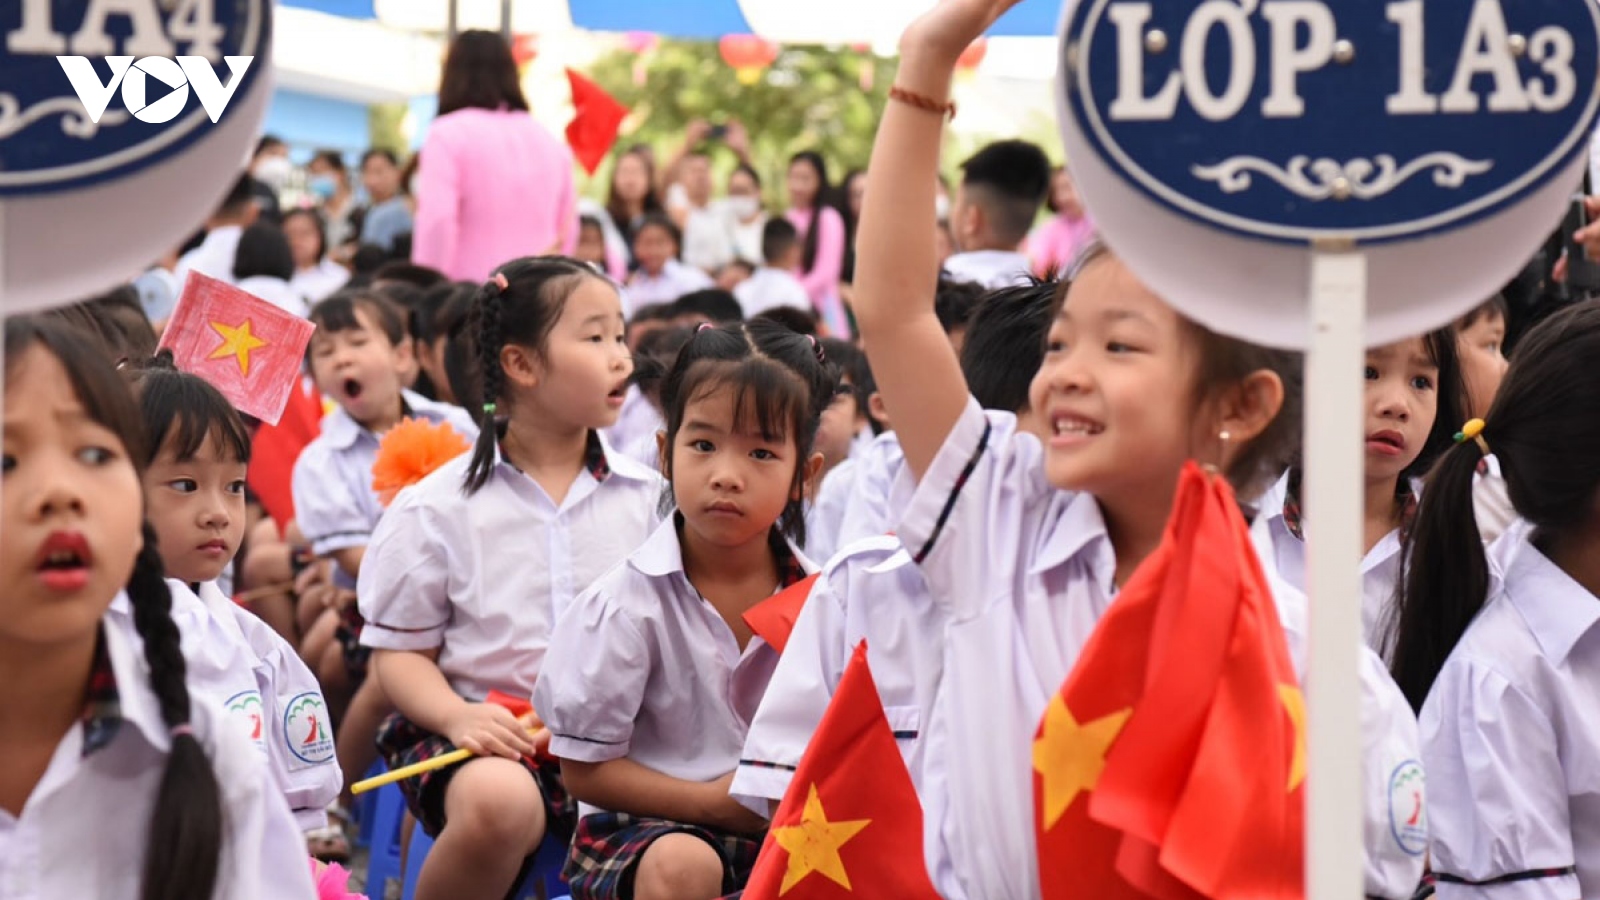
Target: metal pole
505, 20
451, 25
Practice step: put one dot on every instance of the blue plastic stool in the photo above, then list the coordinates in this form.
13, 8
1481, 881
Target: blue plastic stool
542, 883
366, 807
383, 859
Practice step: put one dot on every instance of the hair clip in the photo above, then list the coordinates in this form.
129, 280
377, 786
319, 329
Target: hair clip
499, 279
489, 409
704, 326
178, 731
822, 355
1473, 431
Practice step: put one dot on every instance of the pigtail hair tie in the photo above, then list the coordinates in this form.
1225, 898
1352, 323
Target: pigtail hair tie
499, 279
816, 347
1473, 431
703, 326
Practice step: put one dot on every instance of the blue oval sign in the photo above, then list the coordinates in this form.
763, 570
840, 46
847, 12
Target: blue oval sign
1301, 120
97, 89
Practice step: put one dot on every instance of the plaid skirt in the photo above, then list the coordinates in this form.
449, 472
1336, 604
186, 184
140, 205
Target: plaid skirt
348, 634
402, 743
607, 848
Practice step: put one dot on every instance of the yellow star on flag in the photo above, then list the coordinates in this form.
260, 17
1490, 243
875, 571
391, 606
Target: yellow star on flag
237, 342
1069, 757
1294, 702
814, 844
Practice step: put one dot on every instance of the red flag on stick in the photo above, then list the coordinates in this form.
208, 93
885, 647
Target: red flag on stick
1172, 763
593, 130
247, 348
850, 825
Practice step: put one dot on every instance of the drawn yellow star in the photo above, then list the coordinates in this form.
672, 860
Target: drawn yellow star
814, 844
1069, 757
237, 342
1294, 703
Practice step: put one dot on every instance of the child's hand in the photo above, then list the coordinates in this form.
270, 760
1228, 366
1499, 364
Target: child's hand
489, 730
948, 28
729, 814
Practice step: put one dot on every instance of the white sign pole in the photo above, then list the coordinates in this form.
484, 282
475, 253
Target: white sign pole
1333, 501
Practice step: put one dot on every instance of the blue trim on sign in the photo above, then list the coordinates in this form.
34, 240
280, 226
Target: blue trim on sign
1030, 18
349, 9
704, 19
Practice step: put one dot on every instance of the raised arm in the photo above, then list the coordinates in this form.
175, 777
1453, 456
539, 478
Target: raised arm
896, 269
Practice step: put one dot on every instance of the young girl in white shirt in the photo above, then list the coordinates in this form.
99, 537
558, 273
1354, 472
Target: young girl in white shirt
115, 785
470, 567
197, 450
1500, 650
653, 674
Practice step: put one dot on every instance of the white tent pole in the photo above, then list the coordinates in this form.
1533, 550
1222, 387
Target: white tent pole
1333, 502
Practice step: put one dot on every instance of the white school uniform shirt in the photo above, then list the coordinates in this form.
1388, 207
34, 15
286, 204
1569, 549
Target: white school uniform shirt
827, 511
675, 280
320, 280
769, 288
1511, 739
334, 503
882, 491
636, 419
1380, 567
483, 578
278, 292
82, 832
1022, 572
1491, 501
214, 256
993, 269
642, 667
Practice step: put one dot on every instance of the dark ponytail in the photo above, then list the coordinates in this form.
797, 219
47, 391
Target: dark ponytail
183, 850
819, 203
1544, 429
519, 305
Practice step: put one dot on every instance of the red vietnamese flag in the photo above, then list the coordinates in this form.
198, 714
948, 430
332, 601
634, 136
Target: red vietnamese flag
850, 825
773, 618
1172, 763
597, 117
274, 448
247, 348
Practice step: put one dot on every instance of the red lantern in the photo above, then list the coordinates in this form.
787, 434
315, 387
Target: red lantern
524, 48
972, 56
748, 55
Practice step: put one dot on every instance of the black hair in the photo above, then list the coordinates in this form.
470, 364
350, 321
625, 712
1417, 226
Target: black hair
852, 222
1450, 409
316, 219
368, 259
267, 142
587, 221
808, 255
186, 410
451, 323
781, 386
955, 302
750, 170
854, 364
1493, 308
1005, 342
654, 312
1011, 180
799, 321
777, 237
715, 304
1543, 428
662, 221
184, 835
480, 73
410, 273
338, 313
523, 313
654, 357
333, 158
240, 197
115, 319
617, 209
263, 250
384, 152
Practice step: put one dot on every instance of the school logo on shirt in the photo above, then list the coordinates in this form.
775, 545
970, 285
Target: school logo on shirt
91, 91
1408, 813
307, 730
245, 711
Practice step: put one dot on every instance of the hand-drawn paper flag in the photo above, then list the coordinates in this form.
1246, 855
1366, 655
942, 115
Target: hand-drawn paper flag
247, 348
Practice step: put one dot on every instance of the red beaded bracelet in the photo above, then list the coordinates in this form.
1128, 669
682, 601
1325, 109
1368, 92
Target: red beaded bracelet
920, 102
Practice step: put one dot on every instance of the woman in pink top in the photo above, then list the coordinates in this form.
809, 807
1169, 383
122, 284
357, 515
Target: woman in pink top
1054, 245
493, 184
823, 228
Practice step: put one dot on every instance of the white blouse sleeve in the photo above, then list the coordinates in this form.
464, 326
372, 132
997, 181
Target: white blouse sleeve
1395, 826
1497, 807
593, 681
329, 515
263, 850
403, 590
965, 523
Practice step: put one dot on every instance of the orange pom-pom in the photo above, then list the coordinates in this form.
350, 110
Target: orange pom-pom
410, 451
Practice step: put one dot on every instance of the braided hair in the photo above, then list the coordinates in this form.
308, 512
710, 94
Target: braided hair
519, 304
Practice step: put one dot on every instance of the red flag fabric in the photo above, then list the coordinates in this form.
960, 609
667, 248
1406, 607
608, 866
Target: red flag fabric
247, 348
1171, 765
773, 618
850, 825
594, 126
274, 449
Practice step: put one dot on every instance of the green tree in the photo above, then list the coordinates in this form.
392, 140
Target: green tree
810, 98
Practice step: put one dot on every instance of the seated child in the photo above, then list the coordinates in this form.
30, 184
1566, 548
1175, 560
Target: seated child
773, 283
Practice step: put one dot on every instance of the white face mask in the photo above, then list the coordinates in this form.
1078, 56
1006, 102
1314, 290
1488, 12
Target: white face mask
744, 207
941, 207
274, 171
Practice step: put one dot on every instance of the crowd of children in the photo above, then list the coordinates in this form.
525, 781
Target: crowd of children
195, 674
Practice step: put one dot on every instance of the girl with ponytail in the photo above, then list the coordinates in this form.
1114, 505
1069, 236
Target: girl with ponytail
470, 567
110, 768
1499, 649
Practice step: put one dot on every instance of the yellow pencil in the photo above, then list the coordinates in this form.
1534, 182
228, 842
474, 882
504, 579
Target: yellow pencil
427, 765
